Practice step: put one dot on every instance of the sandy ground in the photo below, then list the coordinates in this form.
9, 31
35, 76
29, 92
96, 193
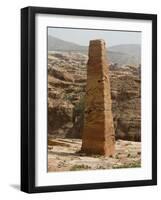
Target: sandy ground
63, 155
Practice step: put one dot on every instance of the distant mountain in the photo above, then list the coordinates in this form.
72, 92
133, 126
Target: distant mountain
131, 49
56, 44
123, 54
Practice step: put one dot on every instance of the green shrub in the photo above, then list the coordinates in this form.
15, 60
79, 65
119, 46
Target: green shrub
130, 165
79, 167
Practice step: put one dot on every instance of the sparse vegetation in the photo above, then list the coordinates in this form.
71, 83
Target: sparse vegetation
96, 156
79, 108
129, 165
117, 156
128, 155
68, 97
79, 167
101, 167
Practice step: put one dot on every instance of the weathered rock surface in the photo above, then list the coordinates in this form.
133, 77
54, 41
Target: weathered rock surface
98, 131
66, 97
126, 100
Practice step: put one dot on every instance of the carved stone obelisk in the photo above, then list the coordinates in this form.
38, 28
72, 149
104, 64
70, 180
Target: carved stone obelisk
98, 133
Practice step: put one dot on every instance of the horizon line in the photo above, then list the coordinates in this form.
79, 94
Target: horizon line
89, 40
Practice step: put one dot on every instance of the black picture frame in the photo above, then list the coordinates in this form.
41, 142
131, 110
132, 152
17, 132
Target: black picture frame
28, 98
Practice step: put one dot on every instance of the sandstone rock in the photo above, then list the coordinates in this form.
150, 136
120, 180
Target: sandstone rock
98, 131
62, 75
125, 92
126, 100
60, 118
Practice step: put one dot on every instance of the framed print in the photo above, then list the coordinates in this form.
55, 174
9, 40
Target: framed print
88, 99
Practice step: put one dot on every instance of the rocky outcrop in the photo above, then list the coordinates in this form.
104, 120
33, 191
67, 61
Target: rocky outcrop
66, 97
98, 131
126, 103
66, 88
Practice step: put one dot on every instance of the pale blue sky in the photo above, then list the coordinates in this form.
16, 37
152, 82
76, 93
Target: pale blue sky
82, 36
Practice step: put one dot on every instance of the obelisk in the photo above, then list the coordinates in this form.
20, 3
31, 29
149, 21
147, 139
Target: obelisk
98, 133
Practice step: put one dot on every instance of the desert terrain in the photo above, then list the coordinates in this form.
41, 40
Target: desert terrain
64, 155
67, 76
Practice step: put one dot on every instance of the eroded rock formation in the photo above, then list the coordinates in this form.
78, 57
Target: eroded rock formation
98, 132
66, 97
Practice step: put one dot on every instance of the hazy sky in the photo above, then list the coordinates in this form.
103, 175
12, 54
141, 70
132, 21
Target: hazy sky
82, 37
